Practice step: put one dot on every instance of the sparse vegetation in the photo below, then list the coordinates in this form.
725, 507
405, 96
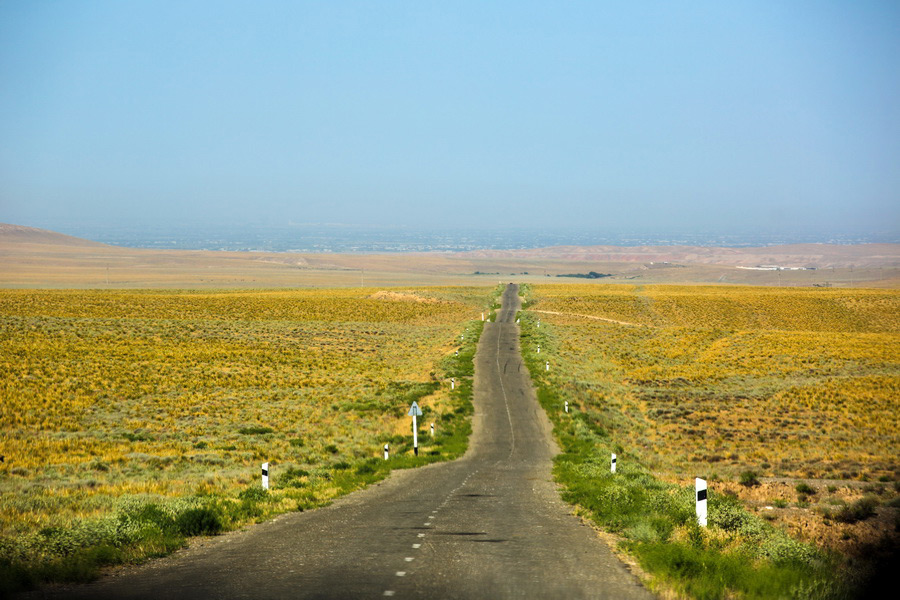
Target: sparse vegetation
749, 479
134, 419
862, 509
736, 384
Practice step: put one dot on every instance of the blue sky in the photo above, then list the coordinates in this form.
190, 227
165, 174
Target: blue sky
714, 116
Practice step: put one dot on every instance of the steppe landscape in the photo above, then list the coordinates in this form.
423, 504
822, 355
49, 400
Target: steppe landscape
37, 258
143, 388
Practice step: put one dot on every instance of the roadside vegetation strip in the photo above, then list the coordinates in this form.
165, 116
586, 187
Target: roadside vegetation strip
737, 553
124, 435
715, 402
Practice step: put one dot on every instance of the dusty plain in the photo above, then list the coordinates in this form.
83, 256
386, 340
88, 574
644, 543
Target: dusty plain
34, 258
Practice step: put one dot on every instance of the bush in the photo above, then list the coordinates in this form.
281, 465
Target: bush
150, 514
860, 510
254, 494
255, 430
805, 489
749, 479
199, 521
783, 550
365, 469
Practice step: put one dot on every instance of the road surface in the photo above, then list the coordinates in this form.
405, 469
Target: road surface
489, 525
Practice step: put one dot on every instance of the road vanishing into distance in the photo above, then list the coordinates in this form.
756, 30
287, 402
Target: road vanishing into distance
489, 525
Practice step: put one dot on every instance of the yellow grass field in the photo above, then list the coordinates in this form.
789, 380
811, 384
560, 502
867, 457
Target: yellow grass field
787, 381
111, 396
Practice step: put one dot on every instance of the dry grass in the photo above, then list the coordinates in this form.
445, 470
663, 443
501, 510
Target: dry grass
113, 394
791, 383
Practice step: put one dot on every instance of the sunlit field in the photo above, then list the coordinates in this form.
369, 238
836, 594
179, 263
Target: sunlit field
790, 382
116, 401
786, 399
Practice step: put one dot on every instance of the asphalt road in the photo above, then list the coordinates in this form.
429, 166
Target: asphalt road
489, 525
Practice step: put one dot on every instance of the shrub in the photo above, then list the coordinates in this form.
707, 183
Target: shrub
781, 549
150, 514
749, 479
199, 521
365, 469
805, 489
294, 473
254, 494
255, 430
860, 510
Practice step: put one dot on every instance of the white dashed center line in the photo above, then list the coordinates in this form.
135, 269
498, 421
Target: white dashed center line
401, 573
409, 559
417, 545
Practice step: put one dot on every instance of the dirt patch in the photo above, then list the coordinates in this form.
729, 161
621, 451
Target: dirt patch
810, 514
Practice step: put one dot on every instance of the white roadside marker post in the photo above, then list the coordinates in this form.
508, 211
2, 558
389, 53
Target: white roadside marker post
265, 475
547, 366
539, 323
457, 353
386, 453
482, 316
539, 350
700, 486
567, 407
452, 383
432, 430
612, 464
415, 411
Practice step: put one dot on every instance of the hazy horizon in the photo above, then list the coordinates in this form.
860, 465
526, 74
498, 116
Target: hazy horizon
753, 119
343, 238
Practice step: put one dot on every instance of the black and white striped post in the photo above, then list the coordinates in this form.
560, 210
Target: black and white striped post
386, 453
415, 411
700, 487
457, 353
265, 475
612, 463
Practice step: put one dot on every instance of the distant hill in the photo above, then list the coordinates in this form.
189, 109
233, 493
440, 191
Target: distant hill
794, 255
19, 234
31, 257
